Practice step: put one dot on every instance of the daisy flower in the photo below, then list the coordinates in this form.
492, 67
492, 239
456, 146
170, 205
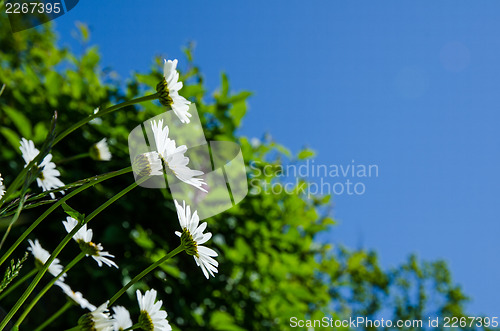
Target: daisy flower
192, 237
97, 320
121, 318
84, 239
168, 90
152, 318
76, 297
48, 177
174, 157
100, 151
41, 256
2, 187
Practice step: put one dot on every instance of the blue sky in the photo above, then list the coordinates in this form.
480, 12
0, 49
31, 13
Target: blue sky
411, 87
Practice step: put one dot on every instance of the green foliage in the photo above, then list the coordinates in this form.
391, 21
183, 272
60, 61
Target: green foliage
271, 265
73, 213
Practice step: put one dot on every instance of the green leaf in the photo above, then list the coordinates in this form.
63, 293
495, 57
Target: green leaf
73, 213
239, 97
222, 321
224, 85
39, 132
11, 137
21, 122
306, 154
238, 111
84, 31
282, 149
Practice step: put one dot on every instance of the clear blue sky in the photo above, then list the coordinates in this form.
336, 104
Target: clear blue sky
410, 86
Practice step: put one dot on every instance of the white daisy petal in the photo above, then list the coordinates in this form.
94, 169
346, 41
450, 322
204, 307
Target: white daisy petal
178, 103
2, 187
48, 178
75, 296
100, 151
201, 254
174, 156
84, 238
151, 316
41, 255
121, 318
99, 319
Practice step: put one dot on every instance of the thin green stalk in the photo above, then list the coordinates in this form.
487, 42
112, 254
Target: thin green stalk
73, 158
101, 113
52, 318
114, 198
16, 284
144, 273
20, 177
45, 289
133, 327
56, 205
16, 183
58, 250
37, 278
14, 219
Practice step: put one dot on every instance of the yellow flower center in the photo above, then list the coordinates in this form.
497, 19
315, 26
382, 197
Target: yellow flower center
164, 93
141, 165
190, 245
145, 321
86, 323
89, 248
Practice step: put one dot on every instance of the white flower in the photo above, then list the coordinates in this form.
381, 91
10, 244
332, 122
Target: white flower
98, 320
148, 164
192, 237
100, 151
169, 92
48, 178
174, 156
121, 318
41, 255
84, 239
2, 188
97, 120
154, 162
77, 297
152, 318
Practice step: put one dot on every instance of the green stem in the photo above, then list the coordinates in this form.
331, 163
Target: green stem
56, 205
133, 327
46, 288
144, 273
58, 250
14, 219
113, 199
101, 113
73, 158
19, 282
38, 276
52, 318
17, 182
21, 177
75, 328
